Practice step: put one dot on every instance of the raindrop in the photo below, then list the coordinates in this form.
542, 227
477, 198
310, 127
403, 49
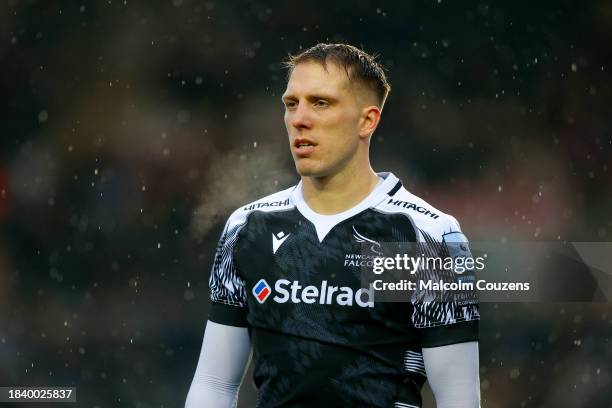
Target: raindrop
43, 115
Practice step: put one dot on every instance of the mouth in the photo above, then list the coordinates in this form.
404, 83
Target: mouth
303, 146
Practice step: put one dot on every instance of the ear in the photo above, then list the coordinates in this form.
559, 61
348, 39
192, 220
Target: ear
370, 117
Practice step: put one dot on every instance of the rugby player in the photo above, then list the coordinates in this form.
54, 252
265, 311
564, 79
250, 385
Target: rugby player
285, 283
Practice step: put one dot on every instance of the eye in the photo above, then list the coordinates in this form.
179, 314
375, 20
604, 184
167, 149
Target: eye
321, 103
289, 104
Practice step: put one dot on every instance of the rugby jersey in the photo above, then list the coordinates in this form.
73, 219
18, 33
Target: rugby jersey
319, 338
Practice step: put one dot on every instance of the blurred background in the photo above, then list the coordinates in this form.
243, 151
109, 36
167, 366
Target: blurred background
130, 130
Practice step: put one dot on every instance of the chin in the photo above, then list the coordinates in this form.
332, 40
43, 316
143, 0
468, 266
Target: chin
308, 169
305, 172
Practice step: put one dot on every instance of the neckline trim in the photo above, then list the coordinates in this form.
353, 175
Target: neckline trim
324, 223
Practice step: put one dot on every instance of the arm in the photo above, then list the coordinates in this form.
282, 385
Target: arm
225, 351
452, 372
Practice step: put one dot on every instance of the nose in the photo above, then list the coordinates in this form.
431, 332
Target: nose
300, 117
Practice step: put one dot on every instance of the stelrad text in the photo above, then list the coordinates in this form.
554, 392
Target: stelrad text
325, 294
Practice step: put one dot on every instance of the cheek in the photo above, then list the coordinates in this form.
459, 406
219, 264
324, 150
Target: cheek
343, 142
347, 126
348, 121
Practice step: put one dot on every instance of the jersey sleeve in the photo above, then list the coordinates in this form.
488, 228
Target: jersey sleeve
223, 357
451, 316
227, 288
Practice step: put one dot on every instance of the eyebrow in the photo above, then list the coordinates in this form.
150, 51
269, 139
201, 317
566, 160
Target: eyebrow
313, 96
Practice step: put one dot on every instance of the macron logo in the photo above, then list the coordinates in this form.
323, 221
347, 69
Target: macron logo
277, 240
261, 290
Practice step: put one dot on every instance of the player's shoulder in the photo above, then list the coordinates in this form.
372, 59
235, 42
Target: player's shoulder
425, 217
279, 201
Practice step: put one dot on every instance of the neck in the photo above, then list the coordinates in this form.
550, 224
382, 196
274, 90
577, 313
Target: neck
338, 192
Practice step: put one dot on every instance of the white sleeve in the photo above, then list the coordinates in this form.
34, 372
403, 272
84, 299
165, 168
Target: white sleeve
225, 352
452, 372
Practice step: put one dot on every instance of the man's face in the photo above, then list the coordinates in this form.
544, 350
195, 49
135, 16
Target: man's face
322, 112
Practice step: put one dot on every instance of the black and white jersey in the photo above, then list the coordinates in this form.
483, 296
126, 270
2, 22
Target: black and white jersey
319, 339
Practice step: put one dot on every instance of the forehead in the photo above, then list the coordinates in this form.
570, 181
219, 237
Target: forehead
312, 77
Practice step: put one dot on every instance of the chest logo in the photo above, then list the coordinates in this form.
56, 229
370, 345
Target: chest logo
287, 291
375, 247
277, 240
261, 290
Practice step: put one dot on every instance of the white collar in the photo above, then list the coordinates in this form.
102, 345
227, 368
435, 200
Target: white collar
324, 223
